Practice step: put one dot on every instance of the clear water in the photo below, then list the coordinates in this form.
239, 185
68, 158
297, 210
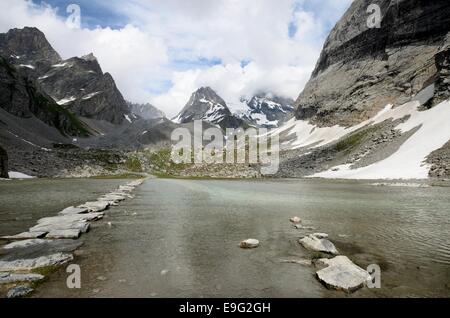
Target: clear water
179, 238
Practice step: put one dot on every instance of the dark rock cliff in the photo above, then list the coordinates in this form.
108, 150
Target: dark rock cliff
361, 69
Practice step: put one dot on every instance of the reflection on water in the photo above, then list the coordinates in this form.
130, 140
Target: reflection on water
179, 238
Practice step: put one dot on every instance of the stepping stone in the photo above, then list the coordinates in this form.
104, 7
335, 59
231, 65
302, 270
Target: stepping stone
64, 234
19, 291
25, 235
31, 264
97, 206
74, 210
33, 248
342, 274
318, 242
9, 278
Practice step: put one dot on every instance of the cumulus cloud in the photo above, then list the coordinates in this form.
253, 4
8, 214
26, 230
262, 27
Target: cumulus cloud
279, 41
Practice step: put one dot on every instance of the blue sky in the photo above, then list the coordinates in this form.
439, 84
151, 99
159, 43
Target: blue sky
160, 51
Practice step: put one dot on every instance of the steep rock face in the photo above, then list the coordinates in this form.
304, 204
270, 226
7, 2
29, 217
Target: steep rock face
267, 110
28, 48
81, 85
146, 111
76, 83
206, 105
23, 97
3, 163
361, 70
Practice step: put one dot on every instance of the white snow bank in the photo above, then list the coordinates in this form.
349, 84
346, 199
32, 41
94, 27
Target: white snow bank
19, 175
66, 100
408, 161
89, 96
27, 66
127, 118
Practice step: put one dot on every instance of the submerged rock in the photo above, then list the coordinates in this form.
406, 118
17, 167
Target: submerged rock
342, 274
30, 264
250, 243
318, 242
19, 291
8, 278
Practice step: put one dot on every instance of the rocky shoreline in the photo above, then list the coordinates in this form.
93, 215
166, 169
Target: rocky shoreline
32, 255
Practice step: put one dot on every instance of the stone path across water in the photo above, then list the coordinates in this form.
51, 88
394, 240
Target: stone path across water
52, 240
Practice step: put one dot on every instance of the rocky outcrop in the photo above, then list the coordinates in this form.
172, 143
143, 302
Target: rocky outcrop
206, 105
3, 164
28, 48
23, 97
81, 85
363, 69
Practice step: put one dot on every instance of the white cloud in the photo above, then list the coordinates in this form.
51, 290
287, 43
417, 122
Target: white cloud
164, 31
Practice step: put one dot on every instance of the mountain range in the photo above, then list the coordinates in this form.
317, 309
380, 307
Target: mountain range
376, 105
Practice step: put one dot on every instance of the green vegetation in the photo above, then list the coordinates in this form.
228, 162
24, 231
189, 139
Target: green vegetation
133, 164
163, 165
351, 142
75, 128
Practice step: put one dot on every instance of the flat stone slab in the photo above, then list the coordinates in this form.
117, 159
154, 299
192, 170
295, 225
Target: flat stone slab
66, 222
34, 248
126, 188
61, 224
24, 244
318, 242
19, 291
96, 206
30, 264
342, 274
9, 278
74, 210
250, 243
26, 235
64, 234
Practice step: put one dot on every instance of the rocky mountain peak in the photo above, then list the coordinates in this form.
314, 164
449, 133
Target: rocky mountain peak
146, 111
267, 110
89, 57
27, 46
206, 105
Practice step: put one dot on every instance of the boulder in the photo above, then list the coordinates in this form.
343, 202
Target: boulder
19, 291
342, 274
318, 242
9, 278
31, 264
250, 243
296, 220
